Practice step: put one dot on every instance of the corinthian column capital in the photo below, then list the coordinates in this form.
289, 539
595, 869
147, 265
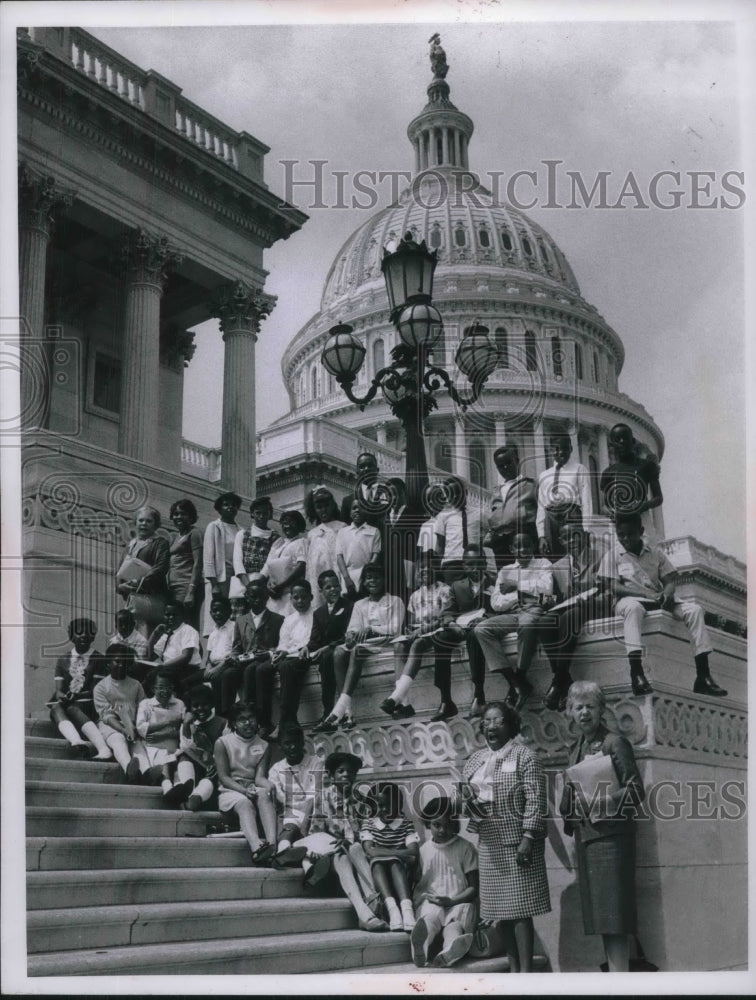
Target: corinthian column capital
147, 258
39, 196
241, 307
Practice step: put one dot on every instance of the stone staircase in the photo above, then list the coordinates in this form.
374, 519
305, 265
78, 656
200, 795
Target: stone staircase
119, 884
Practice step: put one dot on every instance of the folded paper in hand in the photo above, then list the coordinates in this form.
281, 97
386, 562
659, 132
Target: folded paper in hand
594, 779
132, 569
470, 617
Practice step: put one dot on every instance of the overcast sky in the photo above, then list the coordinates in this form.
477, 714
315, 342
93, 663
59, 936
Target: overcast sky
622, 96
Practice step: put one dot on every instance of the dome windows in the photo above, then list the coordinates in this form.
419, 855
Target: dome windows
527, 247
379, 356
596, 367
484, 238
460, 236
557, 357
578, 361
501, 342
506, 240
436, 238
531, 352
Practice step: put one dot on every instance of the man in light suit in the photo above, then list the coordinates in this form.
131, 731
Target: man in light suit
517, 514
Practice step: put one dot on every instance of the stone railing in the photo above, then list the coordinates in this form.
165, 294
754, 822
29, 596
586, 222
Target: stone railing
688, 551
104, 65
200, 461
155, 95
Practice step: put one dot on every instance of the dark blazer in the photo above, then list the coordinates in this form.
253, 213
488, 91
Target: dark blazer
626, 769
248, 639
329, 628
463, 599
157, 552
97, 668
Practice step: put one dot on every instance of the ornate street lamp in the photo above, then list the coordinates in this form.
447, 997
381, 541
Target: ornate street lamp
409, 383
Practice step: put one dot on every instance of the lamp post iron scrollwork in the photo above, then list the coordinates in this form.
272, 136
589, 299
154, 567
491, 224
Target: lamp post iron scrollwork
410, 383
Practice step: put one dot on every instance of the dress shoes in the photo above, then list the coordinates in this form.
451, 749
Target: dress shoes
446, 710
403, 712
639, 683
706, 685
523, 690
327, 725
348, 723
556, 697
388, 705
476, 709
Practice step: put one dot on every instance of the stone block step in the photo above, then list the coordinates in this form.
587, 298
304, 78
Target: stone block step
327, 951
59, 821
43, 746
105, 796
150, 924
60, 769
89, 853
47, 890
40, 727
467, 966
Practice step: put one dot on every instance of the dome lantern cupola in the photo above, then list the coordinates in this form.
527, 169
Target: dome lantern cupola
440, 134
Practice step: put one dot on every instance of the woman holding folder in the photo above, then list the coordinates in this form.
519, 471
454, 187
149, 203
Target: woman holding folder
142, 577
602, 789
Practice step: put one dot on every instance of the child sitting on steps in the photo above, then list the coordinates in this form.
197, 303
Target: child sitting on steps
76, 674
391, 846
446, 890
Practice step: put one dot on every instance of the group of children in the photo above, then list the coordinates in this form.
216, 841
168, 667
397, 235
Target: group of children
298, 811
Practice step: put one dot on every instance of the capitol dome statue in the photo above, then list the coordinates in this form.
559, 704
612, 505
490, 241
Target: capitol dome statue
559, 360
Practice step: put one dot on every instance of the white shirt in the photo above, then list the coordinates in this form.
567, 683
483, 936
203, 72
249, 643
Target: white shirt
573, 487
134, 639
385, 616
357, 545
535, 579
297, 784
295, 632
219, 643
449, 527
184, 637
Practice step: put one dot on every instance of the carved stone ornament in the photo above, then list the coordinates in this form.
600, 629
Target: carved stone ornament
241, 307
147, 258
39, 197
177, 347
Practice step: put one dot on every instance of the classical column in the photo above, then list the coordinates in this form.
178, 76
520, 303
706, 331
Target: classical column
575, 441
38, 199
461, 456
380, 432
240, 309
146, 259
603, 448
500, 430
539, 453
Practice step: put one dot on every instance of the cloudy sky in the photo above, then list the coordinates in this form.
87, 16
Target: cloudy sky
617, 96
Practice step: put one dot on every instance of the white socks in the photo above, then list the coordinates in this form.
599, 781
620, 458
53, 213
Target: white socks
343, 706
117, 743
408, 915
184, 771
394, 915
95, 737
67, 730
401, 689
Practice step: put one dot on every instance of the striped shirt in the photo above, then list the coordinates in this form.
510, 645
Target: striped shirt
393, 835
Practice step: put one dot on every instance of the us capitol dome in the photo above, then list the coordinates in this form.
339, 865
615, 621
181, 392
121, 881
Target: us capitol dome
559, 360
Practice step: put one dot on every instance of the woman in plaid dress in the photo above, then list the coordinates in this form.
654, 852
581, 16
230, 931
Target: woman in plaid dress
505, 792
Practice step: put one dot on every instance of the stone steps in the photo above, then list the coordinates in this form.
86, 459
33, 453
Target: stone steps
79, 771
67, 821
92, 853
150, 924
45, 746
467, 966
46, 890
327, 951
104, 796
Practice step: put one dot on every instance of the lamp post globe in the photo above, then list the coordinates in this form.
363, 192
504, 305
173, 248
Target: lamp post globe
476, 356
419, 323
343, 355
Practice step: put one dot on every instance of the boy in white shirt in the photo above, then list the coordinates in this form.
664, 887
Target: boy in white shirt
521, 597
